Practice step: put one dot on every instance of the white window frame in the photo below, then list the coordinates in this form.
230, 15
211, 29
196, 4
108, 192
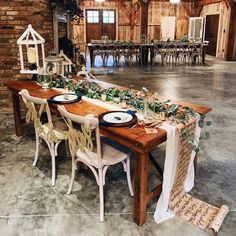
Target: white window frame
192, 34
93, 17
108, 17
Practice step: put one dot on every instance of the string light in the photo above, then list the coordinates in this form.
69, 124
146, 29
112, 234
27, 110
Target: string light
175, 1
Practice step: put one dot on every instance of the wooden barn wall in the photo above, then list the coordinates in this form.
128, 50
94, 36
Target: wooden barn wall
234, 36
232, 39
223, 30
124, 29
160, 9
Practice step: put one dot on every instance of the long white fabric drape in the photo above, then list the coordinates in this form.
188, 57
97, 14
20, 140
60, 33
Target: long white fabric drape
162, 211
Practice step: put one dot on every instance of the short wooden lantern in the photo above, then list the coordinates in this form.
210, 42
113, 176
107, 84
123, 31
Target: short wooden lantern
66, 63
29, 43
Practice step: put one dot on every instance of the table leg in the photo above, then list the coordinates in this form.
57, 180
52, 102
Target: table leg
17, 114
151, 54
195, 164
91, 56
144, 55
203, 55
140, 188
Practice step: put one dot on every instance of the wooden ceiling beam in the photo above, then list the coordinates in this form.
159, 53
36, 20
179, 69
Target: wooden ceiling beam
189, 11
127, 10
229, 3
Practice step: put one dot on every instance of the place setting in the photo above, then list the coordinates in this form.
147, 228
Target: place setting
118, 118
66, 98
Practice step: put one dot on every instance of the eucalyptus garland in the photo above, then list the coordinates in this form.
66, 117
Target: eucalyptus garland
137, 100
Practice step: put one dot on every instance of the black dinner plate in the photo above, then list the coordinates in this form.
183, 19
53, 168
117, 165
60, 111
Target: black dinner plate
77, 99
106, 123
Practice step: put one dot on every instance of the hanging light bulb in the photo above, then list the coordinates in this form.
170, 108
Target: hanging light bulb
174, 1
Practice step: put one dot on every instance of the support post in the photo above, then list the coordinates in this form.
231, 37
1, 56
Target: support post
144, 16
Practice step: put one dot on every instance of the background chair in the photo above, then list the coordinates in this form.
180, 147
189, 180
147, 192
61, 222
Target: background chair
133, 51
99, 49
46, 131
112, 51
158, 50
98, 155
196, 52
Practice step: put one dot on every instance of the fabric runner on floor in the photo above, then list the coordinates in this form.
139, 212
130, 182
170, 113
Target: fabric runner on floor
178, 179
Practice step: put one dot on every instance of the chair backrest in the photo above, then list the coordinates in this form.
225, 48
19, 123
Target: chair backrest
81, 139
35, 108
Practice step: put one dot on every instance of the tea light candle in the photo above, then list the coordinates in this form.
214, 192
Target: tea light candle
162, 116
116, 100
104, 97
31, 55
124, 105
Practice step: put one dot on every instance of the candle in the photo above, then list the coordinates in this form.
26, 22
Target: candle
31, 55
104, 97
124, 105
162, 116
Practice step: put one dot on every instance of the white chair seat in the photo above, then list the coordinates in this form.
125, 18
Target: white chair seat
59, 127
112, 153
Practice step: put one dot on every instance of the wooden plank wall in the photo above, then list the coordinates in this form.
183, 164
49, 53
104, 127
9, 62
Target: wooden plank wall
159, 9
123, 32
124, 29
232, 37
223, 30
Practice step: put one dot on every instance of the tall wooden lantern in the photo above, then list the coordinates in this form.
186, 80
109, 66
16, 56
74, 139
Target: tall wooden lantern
31, 57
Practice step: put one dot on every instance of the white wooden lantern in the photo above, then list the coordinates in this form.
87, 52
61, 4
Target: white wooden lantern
66, 63
29, 43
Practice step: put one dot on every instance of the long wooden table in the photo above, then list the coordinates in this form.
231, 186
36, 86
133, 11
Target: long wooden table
164, 49
104, 49
136, 139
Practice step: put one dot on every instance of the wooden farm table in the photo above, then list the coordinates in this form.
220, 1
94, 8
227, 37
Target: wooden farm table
136, 139
144, 49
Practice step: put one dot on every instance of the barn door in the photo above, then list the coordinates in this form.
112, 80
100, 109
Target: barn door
168, 28
108, 24
100, 22
196, 28
212, 23
93, 22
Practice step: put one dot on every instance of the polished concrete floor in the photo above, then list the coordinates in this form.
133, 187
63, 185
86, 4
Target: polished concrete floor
30, 206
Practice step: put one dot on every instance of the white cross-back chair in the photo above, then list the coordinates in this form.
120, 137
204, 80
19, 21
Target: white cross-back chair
52, 135
98, 155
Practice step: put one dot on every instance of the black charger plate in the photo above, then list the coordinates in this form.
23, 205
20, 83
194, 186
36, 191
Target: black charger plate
106, 123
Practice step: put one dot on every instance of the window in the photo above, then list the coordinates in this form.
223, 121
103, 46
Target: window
108, 17
196, 28
93, 16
